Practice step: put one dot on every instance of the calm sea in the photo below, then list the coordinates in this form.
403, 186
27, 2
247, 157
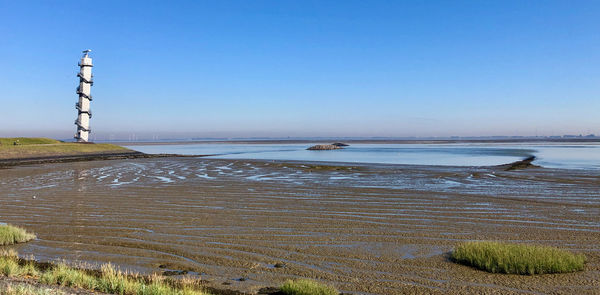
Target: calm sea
571, 156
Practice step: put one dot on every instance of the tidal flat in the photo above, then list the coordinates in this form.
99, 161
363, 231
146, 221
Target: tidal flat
249, 224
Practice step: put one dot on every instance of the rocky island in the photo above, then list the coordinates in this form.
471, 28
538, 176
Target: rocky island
324, 147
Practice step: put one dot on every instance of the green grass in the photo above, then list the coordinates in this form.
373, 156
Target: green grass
45, 147
12, 235
307, 287
26, 140
497, 257
108, 280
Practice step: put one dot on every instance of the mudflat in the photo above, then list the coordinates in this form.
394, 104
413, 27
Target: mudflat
244, 225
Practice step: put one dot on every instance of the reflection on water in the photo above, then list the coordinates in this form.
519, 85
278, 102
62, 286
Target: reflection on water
80, 177
573, 156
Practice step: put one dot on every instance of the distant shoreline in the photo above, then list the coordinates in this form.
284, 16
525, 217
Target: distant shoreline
355, 141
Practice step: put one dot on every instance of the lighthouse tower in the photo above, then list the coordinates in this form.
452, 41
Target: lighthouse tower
85, 97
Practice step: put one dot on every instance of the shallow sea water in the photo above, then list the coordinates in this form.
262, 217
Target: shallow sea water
551, 155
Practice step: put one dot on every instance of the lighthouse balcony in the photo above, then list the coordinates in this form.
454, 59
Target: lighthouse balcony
81, 93
83, 79
78, 107
80, 127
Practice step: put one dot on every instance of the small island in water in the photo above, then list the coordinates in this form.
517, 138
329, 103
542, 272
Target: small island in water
327, 147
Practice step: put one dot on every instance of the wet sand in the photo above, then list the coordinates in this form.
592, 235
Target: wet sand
367, 229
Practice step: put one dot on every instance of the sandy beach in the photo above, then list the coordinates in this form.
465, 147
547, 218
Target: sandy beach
244, 225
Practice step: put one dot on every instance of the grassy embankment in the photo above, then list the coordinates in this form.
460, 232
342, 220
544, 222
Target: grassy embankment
12, 235
45, 147
8, 141
497, 257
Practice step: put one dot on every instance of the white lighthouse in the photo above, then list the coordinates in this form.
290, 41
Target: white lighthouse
85, 97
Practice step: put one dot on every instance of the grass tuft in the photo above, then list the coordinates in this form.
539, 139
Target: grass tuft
63, 275
497, 257
10, 267
307, 287
12, 235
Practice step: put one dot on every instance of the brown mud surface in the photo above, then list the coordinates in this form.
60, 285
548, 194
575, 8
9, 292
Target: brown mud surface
245, 225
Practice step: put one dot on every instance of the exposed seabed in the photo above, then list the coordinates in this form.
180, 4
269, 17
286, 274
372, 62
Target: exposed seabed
378, 229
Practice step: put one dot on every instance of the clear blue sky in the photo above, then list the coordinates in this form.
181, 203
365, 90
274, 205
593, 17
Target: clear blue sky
303, 68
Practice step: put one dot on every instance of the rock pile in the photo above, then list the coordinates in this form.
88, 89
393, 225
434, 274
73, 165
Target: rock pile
323, 147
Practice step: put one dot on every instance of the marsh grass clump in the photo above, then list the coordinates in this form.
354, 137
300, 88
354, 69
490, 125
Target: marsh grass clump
63, 275
307, 287
108, 280
497, 257
12, 235
113, 281
10, 265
